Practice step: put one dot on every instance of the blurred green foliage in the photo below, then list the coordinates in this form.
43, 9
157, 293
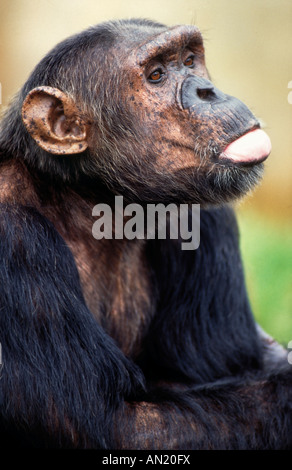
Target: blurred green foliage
266, 248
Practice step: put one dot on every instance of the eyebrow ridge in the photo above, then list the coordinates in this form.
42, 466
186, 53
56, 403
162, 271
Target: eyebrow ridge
178, 36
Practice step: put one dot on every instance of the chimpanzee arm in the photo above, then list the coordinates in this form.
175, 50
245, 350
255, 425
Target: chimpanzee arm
236, 414
62, 376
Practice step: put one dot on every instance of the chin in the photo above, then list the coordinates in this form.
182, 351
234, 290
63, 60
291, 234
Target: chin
228, 183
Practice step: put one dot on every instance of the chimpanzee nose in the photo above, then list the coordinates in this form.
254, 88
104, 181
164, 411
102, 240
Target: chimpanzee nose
197, 90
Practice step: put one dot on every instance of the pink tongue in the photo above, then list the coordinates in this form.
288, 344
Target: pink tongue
254, 146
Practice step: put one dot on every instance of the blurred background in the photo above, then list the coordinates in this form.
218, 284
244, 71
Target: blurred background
249, 55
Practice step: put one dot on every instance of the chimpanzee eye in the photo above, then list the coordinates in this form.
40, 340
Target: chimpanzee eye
190, 61
156, 76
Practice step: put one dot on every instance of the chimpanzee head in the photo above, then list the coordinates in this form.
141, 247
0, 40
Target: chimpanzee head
131, 103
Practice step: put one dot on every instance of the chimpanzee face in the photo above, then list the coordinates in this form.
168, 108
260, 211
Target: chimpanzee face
164, 131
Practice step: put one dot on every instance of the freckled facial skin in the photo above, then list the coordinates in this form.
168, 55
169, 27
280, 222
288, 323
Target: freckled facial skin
179, 131
160, 68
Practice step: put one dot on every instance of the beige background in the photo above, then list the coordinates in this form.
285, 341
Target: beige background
248, 47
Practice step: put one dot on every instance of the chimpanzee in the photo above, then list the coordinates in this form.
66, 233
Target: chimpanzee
131, 344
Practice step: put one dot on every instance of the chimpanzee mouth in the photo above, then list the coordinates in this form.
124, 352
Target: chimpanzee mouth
250, 149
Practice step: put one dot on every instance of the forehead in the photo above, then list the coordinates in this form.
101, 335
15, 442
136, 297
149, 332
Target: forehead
150, 43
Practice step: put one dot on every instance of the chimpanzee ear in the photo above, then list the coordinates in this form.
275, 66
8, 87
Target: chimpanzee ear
53, 120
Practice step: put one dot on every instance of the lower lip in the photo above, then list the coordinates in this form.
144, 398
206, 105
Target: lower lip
251, 148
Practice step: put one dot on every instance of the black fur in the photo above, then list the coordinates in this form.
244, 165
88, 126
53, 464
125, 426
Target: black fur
58, 362
215, 334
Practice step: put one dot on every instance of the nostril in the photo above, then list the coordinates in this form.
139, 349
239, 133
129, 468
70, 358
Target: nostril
206, 93
198, 91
